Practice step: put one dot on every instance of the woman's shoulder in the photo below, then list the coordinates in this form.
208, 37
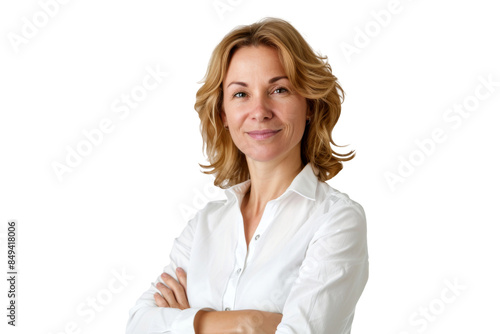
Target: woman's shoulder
212, 210
330, 199
212, 207
339, 216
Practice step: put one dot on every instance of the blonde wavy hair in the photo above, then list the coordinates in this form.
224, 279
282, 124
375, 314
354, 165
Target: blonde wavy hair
311, 76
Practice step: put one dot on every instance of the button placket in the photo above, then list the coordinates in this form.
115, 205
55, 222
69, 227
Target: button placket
264, 223
242, 255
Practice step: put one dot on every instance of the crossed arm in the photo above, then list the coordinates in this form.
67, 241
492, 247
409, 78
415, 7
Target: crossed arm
212, 322
322, 299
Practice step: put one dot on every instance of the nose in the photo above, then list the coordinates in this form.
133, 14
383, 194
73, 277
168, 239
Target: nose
261, 108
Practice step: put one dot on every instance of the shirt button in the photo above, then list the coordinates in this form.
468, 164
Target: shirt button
227, 309
238, 271
257, 237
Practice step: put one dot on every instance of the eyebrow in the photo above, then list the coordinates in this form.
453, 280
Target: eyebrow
244, 84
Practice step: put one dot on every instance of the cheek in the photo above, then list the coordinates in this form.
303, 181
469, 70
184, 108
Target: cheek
296, 119
294, 131
234, 118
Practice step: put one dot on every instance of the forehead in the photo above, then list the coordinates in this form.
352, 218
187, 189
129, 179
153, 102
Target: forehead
251, 61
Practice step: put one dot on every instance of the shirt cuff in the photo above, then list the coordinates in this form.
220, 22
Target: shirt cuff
184, 322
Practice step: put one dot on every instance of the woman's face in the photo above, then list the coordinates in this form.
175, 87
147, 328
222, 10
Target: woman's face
266, 118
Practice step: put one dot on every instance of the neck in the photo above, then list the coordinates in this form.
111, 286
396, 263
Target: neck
270, 180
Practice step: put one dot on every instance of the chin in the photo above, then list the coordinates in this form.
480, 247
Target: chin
266, 156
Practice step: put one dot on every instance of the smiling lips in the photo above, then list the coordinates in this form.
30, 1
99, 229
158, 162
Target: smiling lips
262, 134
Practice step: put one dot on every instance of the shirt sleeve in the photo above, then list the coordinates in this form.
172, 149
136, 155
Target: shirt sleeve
145, 317
331, 277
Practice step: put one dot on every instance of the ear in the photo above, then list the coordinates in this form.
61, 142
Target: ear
309, 114
308, 110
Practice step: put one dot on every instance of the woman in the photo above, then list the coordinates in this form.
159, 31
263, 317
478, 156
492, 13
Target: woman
285, 253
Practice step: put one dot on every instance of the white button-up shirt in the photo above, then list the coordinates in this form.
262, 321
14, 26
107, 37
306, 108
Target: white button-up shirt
307, 260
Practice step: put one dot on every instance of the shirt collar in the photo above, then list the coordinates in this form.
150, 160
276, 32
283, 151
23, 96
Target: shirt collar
304, 184
237, 191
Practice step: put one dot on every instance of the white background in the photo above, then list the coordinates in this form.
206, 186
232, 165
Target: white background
121, 207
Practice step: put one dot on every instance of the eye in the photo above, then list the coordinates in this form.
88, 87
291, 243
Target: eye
240, 94
280, 90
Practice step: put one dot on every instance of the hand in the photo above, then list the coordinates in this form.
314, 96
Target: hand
239, 321
174, 294
260, 322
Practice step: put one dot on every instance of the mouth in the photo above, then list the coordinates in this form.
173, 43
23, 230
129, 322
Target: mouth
262, 134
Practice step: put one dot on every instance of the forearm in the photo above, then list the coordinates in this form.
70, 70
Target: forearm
236, 322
